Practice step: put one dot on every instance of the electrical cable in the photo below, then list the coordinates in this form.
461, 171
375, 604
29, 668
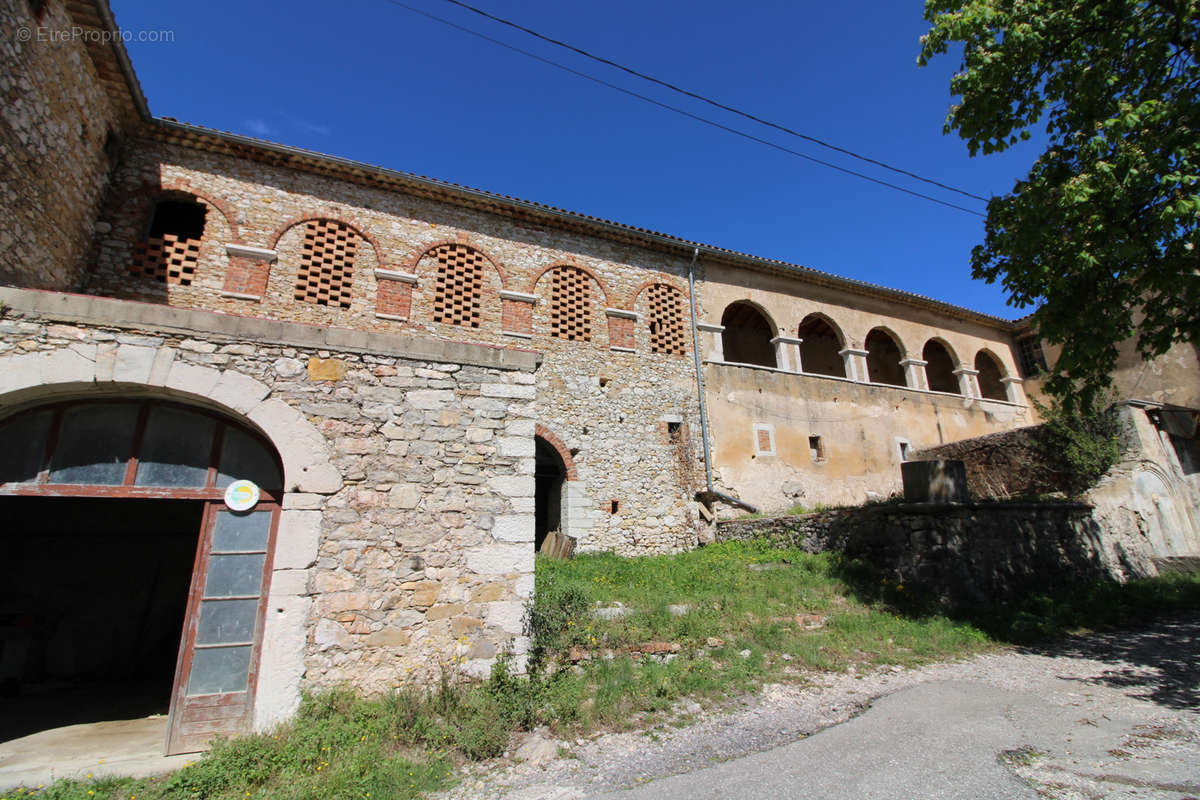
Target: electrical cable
678, 110
710, 101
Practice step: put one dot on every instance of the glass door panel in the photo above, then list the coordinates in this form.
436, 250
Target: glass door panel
215, 683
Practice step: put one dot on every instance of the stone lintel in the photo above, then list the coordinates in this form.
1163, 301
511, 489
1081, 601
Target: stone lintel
242, 296
395, 275
252, 253
786, 340
624, 313
520, 297
709, 327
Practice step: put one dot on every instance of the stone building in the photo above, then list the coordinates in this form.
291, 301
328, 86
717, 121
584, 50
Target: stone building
417, 382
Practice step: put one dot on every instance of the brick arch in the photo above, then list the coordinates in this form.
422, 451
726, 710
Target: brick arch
150, 193
569, 265
349, 222
563, 451
459, 242
633, 298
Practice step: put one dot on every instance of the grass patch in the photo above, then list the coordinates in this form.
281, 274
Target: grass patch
738, 614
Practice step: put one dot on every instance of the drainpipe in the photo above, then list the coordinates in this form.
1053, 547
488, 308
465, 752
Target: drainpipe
708, 480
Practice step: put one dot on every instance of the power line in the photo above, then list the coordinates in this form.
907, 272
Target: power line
710, 101
678, 110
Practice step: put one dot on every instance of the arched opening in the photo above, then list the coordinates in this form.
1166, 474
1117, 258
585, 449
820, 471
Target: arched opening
747, 336
550, 473
990, 373
819, 350
883, 358
939, 368
170, 252
139, 536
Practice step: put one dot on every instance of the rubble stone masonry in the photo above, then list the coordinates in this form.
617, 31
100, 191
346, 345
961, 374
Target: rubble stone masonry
609, 319
416, 549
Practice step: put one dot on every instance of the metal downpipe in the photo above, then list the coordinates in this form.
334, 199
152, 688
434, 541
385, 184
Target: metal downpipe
708, 479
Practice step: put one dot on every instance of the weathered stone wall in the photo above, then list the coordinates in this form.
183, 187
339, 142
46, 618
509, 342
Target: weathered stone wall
606, 394
963, 555
55, 121
411, 548
1002, 465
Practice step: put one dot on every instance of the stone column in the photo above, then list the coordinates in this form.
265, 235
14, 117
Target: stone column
1015, 389
716, 347
968, 382
787, 353
914, 373
393, 294
856, 364
516, 314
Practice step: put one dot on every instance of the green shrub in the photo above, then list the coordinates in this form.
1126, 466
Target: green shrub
1079, 443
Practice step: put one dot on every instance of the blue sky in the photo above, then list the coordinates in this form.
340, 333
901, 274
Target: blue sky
374, 82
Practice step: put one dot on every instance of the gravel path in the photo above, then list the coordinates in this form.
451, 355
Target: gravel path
1137, 732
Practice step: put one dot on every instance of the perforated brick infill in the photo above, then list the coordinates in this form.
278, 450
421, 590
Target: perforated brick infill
167, 259
459, 286
666, 320
571, 304
326, 274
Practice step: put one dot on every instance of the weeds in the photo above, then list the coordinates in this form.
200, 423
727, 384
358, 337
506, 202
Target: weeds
705, 625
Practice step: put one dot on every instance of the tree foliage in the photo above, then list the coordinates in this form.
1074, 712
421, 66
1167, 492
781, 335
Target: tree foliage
1101, 236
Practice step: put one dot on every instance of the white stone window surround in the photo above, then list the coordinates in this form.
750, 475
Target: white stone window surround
769, 429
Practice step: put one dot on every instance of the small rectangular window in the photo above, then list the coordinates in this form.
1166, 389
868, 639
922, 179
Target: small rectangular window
1029, 354
674, 432
614, 506
816, 448
905, 449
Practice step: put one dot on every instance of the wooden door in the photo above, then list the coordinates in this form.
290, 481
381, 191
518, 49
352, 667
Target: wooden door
217, 668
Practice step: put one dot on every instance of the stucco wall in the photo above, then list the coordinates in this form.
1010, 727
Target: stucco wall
860, 425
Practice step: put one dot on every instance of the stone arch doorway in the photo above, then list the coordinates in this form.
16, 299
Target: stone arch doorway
129, 564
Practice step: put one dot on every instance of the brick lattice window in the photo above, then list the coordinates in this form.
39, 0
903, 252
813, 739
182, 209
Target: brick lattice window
327, 265
666, 320
167, 258
571, 304
458, 292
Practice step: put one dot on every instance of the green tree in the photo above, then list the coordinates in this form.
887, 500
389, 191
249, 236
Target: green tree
1101, 236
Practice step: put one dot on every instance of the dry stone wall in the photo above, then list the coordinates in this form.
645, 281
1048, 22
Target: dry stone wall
607, 395
963, 555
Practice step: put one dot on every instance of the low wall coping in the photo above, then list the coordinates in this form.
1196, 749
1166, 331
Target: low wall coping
132, 314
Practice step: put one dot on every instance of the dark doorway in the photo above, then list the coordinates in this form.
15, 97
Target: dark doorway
91, 608
549, 475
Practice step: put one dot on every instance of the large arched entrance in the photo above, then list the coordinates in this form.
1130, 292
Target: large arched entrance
136, 587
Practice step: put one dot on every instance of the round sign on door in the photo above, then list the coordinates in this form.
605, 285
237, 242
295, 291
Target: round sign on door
241, 495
